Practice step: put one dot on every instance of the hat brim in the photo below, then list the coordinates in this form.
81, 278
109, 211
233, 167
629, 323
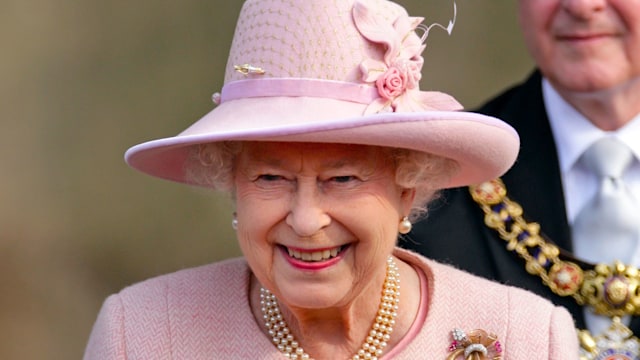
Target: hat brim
483, 146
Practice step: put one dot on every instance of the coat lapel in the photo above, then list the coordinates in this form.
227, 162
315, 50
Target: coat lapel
535, 180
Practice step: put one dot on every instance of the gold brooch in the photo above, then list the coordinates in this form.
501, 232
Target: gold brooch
477, 345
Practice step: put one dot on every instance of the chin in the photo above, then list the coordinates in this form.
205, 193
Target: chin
578, 79
309, 298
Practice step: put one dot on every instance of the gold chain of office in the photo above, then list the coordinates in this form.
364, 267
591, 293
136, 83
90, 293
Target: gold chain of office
612, 290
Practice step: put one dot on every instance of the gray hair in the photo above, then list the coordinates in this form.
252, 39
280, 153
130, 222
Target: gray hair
211, 165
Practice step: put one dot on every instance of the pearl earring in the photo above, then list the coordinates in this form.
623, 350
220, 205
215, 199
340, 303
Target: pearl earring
405, 226
234, 222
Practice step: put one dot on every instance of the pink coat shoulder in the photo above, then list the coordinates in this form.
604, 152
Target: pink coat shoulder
198, 313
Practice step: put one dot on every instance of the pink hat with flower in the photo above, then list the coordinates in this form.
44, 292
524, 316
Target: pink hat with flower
331, 71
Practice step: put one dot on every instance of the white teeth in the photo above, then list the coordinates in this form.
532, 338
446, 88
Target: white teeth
314, 255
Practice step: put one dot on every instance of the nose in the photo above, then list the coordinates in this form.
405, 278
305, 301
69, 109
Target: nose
583, 9
307, 215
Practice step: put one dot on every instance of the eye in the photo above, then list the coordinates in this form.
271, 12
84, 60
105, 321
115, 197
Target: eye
269, 177
271, 180
343, 179
343, 182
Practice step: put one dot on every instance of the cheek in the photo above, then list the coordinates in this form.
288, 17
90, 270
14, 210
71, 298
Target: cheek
378, 218
535, 20
628, 11
255, 219
633, 44
253, 234
627, 14
258, 214
536, 16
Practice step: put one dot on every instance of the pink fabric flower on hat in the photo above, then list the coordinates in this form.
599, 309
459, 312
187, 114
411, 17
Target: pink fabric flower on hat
392, 83
397, 75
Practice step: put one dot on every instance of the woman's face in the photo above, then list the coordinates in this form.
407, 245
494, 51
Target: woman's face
583, 45
316, 222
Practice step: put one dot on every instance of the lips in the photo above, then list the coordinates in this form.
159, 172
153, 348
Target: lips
583, 34
582, 37
315, 256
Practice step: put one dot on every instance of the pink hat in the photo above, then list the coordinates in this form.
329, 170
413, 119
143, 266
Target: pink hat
343, 71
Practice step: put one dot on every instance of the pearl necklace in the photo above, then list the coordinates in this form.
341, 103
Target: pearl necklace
375, 342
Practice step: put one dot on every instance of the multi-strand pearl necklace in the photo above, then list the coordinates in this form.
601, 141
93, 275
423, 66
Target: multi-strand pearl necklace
375, 342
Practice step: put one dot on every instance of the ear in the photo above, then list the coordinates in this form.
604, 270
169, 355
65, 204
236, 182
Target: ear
406, 200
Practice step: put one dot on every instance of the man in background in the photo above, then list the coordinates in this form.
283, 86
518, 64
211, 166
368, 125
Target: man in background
586, 88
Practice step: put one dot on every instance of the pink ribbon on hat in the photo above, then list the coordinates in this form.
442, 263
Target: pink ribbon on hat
339, 90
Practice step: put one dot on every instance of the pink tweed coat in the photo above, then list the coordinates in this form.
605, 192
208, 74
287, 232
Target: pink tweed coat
203, 313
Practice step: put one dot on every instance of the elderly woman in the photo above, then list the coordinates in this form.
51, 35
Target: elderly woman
329, 150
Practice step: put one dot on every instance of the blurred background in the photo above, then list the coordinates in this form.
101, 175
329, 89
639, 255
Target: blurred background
81, 81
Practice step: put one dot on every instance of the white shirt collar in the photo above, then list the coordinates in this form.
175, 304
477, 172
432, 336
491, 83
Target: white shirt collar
573, 133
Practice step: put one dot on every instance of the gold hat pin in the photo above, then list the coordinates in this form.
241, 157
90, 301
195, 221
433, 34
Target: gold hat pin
247, 69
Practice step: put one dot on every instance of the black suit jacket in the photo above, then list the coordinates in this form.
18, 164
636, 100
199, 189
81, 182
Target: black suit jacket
454, 230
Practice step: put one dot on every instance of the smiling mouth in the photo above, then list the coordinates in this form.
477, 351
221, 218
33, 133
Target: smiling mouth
583, 37
315, 256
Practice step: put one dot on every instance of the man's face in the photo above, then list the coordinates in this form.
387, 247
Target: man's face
583, 45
